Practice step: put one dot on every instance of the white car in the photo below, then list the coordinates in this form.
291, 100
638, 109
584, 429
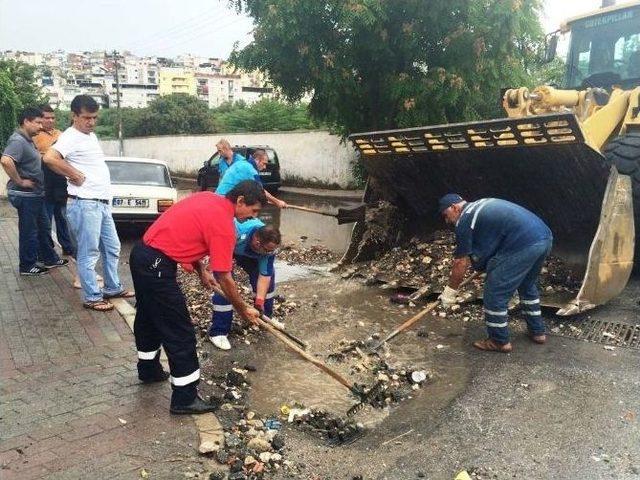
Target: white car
142, 189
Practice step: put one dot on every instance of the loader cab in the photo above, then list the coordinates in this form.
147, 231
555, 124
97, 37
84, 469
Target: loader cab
605, 49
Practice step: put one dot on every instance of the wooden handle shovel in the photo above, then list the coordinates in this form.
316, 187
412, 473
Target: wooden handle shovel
428, 309
344, 215
292, 346
285, 338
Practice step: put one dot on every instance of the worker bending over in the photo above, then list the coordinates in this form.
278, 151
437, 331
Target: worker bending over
254, 253
510, 244
199, 225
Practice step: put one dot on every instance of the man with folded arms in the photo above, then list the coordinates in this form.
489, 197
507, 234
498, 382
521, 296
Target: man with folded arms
78, 156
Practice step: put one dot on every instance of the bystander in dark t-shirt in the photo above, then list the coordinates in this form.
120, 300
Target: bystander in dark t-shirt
22, 151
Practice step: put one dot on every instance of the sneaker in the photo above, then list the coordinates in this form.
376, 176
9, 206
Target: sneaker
221, 341
60, 263
35, 270
277, 323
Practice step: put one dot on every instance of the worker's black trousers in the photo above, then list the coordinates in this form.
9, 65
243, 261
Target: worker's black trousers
162, 319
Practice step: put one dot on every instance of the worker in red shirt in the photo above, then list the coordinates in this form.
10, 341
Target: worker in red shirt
197, 226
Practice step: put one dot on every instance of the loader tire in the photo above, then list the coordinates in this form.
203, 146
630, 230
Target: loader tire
624, 153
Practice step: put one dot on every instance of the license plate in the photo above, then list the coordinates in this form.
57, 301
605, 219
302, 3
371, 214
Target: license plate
131, 202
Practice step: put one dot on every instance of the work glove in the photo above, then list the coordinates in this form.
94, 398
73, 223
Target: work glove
448, 297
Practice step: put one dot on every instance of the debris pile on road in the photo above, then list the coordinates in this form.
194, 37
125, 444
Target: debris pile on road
295, 254
200, 309
333, 430
427, 263
394, 383
253, 446
416, 264
556, 276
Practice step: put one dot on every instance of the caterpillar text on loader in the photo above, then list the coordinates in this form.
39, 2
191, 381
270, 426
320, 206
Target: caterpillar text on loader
570, 155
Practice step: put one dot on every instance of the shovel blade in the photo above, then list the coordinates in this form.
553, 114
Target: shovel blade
351, 215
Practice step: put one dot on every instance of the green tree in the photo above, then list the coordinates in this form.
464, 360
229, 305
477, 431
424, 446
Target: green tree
169, 115
18, 89
376, 64
263, 116
551, 73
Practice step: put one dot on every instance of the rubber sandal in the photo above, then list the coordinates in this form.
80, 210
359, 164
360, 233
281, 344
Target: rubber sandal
540, 339
98, 306
122, 294
488, 345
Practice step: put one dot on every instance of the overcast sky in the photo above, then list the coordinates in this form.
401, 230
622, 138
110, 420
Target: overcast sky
156, 27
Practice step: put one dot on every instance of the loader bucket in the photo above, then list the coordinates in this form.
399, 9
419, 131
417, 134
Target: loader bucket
542, 163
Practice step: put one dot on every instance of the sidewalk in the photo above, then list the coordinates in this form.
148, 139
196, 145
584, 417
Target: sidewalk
72, 406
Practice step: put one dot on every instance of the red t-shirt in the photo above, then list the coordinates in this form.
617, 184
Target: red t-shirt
199, 225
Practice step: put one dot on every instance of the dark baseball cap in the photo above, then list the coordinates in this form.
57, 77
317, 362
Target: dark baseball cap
448, 200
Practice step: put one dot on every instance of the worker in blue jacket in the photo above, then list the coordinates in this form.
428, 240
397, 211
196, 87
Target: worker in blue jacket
244, 170
254, 252
510, 244
227, 157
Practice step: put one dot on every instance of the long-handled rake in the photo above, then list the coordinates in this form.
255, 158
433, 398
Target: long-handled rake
428, 309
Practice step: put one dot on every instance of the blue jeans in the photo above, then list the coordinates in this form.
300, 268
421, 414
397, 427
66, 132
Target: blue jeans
33, 232
95, 232
58, 212
507, 273
222, 316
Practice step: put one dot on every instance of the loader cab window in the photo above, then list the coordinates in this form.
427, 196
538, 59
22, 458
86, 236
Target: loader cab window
605, 50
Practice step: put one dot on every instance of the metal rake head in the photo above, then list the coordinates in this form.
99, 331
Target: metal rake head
365, 397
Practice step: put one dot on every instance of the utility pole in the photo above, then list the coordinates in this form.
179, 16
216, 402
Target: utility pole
120, 140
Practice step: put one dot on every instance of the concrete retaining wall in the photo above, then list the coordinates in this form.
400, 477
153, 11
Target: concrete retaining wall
311, 156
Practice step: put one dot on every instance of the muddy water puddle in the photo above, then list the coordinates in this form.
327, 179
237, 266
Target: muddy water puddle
347, 311
288, 272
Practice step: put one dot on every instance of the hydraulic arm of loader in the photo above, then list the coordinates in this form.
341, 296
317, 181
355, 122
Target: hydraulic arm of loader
542, 163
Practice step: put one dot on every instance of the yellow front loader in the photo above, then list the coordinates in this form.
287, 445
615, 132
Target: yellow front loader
570, 155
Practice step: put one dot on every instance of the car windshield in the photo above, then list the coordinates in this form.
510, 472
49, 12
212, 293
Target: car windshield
214, 160
139, 173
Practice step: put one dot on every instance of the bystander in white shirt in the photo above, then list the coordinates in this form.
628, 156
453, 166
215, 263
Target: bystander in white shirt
83, 152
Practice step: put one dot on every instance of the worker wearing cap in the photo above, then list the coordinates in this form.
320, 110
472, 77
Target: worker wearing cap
199, 225
510, 244
254, 253
239, 171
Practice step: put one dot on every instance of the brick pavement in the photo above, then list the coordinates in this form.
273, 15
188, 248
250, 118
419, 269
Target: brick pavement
67, 378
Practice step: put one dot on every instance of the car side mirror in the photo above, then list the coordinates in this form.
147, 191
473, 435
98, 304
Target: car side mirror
551, 45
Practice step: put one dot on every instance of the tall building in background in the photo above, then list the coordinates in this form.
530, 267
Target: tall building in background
177, 80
